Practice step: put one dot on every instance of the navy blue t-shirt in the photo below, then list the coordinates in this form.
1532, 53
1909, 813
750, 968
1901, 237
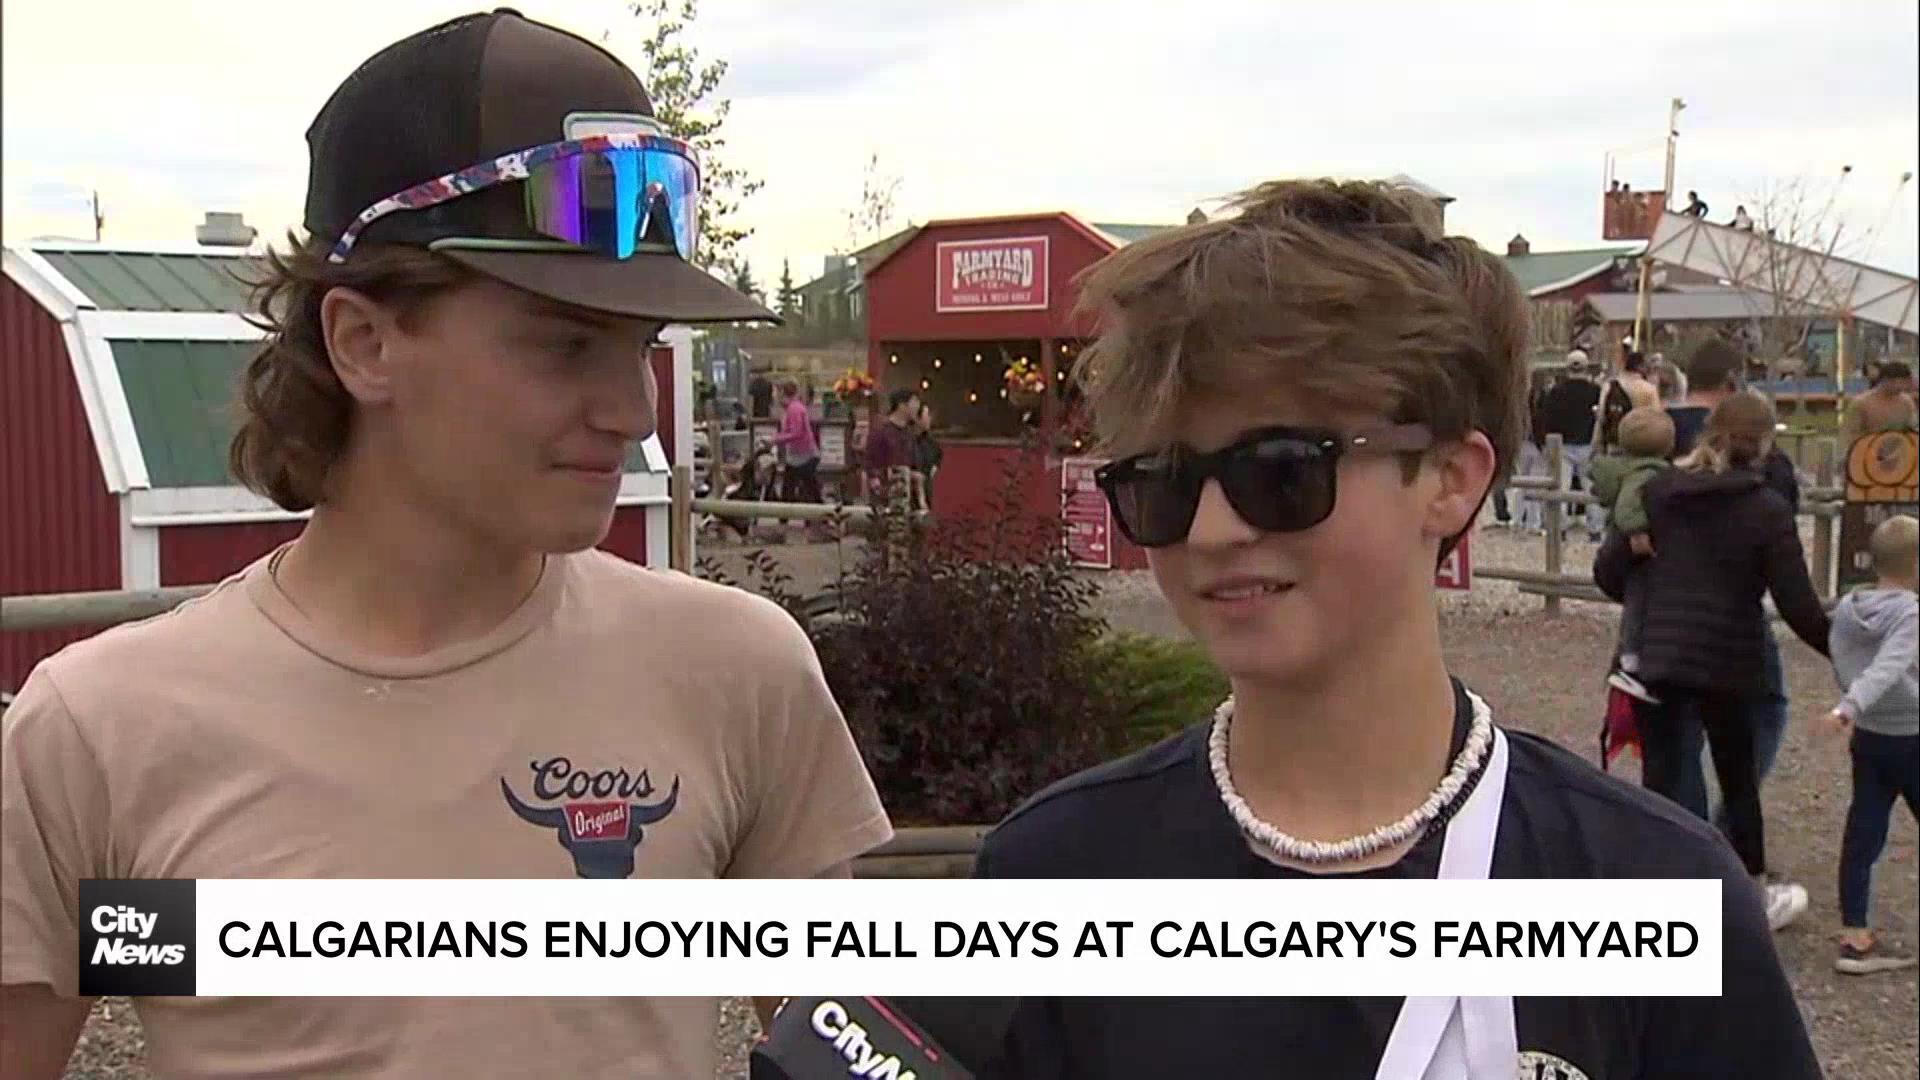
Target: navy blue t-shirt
1688, 422
1157, 814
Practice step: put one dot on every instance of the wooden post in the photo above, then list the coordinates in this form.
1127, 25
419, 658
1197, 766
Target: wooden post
680, 520
1555, 513
1823, 526
1050, 368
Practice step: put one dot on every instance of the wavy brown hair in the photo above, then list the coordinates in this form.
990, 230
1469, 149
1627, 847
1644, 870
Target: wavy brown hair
294, 415
1344, 294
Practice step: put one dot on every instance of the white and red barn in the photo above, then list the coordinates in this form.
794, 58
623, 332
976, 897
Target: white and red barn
117, 370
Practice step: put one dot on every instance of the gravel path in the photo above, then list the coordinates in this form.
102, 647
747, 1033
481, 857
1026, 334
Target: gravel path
1541, 673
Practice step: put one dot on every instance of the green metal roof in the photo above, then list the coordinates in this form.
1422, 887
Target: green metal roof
181, 396
148, 281
1127, 234
1548, 267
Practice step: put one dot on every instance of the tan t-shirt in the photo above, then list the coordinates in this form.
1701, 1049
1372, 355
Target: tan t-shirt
232, 739
1875, 411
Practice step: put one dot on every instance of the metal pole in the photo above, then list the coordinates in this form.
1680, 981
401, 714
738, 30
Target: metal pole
1555, 514
1673, 140
1840, 373
1643, 308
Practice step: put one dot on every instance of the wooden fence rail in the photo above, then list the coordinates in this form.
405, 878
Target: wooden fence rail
1821, 501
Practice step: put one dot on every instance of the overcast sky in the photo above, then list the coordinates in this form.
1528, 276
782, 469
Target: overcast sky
1120, 110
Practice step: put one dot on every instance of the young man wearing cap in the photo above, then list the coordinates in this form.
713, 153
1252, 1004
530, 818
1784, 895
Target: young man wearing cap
424, 683
1569, 411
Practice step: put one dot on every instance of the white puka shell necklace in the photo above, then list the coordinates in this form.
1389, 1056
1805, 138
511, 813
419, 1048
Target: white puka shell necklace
1316, 852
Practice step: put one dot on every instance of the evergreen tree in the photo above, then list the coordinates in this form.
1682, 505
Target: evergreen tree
788, 305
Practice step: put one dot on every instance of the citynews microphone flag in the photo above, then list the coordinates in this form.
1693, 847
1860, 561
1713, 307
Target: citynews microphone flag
933, 938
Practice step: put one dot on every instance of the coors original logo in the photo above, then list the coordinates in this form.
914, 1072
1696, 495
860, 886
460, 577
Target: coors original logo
597, 822
986, 268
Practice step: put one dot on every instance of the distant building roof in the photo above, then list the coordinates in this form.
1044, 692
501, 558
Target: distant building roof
1693, 305
1542, 272
182, 279
843, 279
1424, 188
1127, 234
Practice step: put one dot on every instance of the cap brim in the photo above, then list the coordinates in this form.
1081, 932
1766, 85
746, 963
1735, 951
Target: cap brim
662, 287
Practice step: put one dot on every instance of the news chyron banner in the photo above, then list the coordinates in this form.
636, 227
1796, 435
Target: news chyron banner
932, 938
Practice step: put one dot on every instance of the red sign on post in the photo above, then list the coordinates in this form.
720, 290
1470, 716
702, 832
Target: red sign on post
1456, 570
1086, 515
991, 275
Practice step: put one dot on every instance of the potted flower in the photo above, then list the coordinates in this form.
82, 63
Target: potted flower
855, 387
1025, 384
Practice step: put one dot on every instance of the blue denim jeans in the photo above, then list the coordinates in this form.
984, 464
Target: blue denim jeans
1769, 718
1885, 767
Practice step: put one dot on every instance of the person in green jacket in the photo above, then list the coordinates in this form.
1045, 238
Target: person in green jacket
1619, 483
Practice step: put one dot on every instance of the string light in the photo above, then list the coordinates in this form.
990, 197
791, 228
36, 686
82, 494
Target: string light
1003, 391
973, 399
926, 384
894, 359
936, 363
976, 358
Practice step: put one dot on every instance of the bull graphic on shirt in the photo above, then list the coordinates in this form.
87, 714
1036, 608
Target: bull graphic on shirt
601, 833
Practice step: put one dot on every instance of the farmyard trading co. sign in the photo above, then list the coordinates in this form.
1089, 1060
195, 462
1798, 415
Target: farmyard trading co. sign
1003, 274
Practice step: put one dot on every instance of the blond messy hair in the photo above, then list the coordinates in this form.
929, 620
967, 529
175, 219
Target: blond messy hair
1647, 431
1739, 433
1895, 546
1343, 295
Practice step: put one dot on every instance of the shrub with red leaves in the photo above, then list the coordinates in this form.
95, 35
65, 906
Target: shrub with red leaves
963, 654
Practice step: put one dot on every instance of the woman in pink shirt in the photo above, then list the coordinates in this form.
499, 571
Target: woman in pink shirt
799, 449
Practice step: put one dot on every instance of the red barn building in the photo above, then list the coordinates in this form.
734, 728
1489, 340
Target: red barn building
949, 312
117, 370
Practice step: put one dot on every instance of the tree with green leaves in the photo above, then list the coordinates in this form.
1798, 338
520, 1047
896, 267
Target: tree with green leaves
743, 279
789, 298
681, 86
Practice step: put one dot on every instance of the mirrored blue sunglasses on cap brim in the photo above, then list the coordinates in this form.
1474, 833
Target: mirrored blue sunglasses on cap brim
604, 194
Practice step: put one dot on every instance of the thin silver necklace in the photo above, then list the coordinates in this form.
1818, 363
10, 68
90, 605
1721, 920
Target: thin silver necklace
1321, 852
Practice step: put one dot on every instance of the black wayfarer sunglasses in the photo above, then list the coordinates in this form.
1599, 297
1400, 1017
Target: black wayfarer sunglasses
1278, 479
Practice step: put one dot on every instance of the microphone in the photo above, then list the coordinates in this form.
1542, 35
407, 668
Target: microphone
816, 1038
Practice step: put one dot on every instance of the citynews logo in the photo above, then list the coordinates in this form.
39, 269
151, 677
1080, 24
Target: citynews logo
136, 938
122, 950
859, 1034
851, 1041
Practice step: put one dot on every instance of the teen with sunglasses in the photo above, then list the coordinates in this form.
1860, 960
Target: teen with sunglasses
439, 678
1308, 402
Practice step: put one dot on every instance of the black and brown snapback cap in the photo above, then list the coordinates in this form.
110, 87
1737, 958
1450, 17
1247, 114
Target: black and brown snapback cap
470, 90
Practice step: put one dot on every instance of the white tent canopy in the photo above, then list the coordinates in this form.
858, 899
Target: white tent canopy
1751, 260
